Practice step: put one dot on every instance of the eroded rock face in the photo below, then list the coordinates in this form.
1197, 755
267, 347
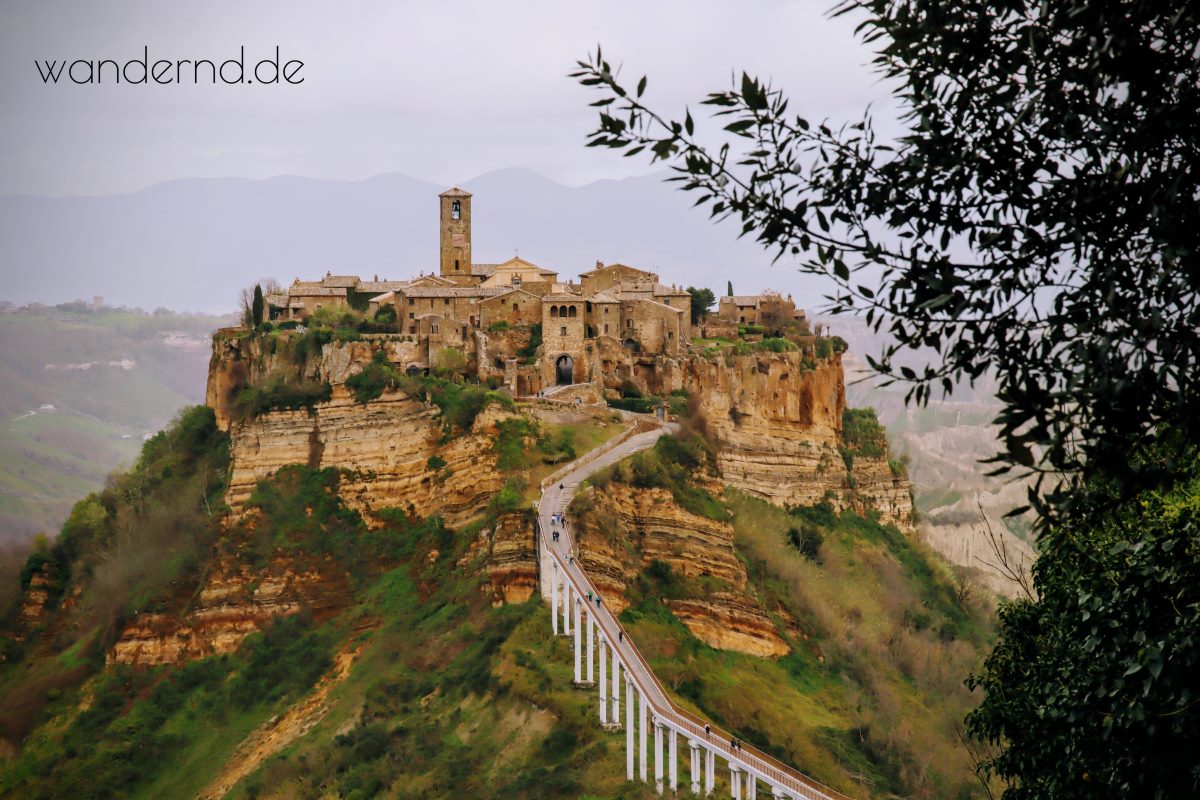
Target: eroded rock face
511, 564
627, 529
386, 446
878, 488
778, 423
236, 600
730, 621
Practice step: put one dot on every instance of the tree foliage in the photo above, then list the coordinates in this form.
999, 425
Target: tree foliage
257, 305
1037, 220
702, 302
1092, 686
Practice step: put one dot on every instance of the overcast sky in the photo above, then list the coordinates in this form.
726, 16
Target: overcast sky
442, 91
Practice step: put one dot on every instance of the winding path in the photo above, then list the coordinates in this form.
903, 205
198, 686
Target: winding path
569, 590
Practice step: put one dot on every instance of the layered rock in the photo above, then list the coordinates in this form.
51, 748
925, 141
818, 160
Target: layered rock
385, 446
511, 564
235, 600
778, 419
627, 529
877, 487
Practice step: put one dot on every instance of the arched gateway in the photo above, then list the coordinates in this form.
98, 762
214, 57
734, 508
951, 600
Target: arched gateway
564, 370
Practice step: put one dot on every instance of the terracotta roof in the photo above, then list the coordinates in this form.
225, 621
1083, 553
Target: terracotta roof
340, 281
562, 297
382, 298
507, 291
655, 302
277, 299
745, 299
613, 266
455, 192
601, 297
315, 291
450, 291
483, 269
378, 287
662, 290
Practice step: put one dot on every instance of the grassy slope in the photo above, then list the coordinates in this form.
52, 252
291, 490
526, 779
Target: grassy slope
48, 460
871, 698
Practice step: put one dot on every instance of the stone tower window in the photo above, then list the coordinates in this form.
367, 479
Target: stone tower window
553, 311
456, 265
571, 311
562, 331
456, 211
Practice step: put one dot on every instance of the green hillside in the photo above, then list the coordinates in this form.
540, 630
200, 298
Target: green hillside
79, 389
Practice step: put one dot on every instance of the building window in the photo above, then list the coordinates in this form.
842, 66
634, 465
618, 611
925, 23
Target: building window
628, 323
456, 265
553, 311
446, 302
606, 325
666, 301
516, 280
571, 311
670, 336
411, 315
606, 310
412, 301
562, 331
433, 330
456, 213
515, 307
412, 328
589, 306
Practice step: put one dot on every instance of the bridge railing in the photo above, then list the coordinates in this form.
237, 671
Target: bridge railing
763, 764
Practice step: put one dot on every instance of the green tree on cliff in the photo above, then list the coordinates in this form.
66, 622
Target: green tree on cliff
1036, 221
702, 302
729, 288
256, 309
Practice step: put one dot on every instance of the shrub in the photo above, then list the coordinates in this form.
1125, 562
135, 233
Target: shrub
386, 314
368, 383
776, 345
528, 353
808, 540
279, 394
862, 435
498, 325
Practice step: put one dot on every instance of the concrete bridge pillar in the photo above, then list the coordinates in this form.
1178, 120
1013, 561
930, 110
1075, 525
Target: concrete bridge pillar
603, 683
672, 761
628, 728
694, 766
642, 761
616, 686
554, 595
567, 605
591, 655
658, 756
578, 642
710, 772
735, 782
751, 787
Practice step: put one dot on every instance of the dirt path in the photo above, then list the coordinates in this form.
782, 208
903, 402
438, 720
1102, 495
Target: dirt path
280, 731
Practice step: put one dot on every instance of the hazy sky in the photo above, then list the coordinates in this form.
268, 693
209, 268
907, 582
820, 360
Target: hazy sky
438, 90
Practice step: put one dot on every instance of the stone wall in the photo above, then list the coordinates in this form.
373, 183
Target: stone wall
385, 445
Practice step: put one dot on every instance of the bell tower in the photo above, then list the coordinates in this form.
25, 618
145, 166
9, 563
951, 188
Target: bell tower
455, 231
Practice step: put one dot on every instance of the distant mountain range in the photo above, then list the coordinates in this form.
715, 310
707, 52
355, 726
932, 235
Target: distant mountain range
192, 244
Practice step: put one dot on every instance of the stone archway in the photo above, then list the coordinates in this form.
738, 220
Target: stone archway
564, 370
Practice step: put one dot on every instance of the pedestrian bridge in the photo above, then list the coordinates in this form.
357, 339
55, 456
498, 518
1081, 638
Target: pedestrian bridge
651, 719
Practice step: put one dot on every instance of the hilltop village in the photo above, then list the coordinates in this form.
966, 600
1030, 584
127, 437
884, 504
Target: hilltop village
518, 324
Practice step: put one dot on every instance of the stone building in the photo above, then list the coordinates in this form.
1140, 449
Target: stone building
513, 307
495, 314
754, 309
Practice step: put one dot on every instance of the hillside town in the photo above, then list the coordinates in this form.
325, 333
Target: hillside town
492, 312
